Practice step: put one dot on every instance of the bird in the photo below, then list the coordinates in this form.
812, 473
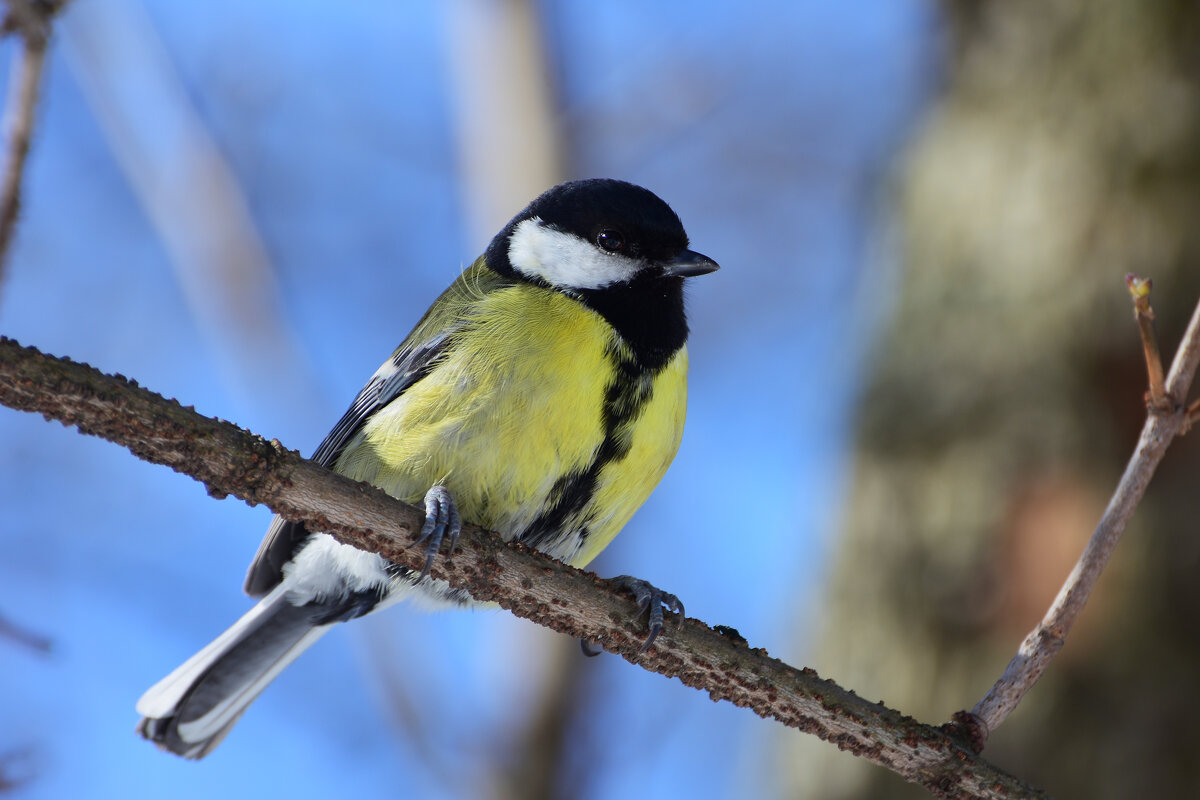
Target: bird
541, 396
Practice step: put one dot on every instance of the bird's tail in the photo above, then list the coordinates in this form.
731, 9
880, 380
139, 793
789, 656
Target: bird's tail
191, 710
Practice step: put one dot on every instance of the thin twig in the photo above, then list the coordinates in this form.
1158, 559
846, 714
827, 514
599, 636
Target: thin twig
31, 20
1139, 290
1190, 417
229, 460
1044, 642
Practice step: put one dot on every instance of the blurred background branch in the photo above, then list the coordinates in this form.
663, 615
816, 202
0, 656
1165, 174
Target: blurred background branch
18, 768
22, 636
30, 21
192, 197
507, 128
510, 146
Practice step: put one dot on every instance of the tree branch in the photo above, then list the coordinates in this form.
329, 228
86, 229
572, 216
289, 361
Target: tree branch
229, 460
1166, 420
1139, 289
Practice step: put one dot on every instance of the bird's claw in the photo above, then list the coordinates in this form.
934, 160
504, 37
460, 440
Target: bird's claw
652, 599
441, 519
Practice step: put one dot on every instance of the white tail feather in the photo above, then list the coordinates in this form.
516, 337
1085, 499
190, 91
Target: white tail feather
163, 698
229, 709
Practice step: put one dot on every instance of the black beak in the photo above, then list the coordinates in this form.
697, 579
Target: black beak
689, 264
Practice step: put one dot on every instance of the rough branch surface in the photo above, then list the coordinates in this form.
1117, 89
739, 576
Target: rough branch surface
231, 461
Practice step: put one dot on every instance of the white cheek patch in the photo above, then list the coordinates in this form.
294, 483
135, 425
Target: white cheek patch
564, 260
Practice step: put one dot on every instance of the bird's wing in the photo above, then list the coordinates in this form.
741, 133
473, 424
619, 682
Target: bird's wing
412, 361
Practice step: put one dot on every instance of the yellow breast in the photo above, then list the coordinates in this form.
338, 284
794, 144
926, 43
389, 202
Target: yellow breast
513, 410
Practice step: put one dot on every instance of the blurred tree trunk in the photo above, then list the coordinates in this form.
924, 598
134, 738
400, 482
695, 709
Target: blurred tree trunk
511, 147
1006, 396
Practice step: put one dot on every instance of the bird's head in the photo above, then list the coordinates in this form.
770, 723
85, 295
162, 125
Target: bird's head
596, 235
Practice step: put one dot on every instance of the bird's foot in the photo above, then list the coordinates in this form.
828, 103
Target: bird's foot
652, 599
441, 521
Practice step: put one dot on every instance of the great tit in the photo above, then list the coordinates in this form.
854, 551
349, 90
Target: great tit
542, 396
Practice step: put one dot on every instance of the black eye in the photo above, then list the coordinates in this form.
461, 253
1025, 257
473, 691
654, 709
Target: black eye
610, 241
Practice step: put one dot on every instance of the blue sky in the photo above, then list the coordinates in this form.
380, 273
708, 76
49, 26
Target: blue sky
774, 144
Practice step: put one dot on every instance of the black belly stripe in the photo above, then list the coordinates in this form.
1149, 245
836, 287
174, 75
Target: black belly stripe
624, 398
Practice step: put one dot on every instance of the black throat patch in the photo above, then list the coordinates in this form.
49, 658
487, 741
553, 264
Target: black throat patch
647, 313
